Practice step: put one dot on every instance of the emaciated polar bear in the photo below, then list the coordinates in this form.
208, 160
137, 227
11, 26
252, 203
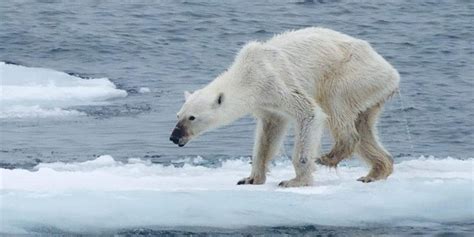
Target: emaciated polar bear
313, 76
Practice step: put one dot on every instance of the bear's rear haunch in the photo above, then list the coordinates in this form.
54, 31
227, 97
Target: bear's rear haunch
311, 77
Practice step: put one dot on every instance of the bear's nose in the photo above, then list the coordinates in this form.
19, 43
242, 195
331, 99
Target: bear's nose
176, 135
174, 139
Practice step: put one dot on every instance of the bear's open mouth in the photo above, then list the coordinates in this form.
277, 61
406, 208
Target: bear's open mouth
179, 141
183, 141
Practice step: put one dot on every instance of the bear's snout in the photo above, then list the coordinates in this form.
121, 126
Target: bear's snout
177, 136
174, 139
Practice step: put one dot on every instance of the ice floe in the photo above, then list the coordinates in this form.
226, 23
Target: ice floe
106, 194
41, 92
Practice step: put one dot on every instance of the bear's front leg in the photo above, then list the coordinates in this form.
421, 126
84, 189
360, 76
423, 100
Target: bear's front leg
271, 129
307, 145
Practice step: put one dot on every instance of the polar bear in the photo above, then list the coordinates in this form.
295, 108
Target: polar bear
312, 77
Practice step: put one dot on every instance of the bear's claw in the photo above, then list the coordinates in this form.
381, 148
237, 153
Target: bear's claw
283, 184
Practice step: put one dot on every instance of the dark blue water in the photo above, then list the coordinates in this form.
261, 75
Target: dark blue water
172, 46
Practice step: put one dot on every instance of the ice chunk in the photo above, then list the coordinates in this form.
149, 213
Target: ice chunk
144, 90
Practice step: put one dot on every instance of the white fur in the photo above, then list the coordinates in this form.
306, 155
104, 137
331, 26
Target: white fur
309, 76
186, 95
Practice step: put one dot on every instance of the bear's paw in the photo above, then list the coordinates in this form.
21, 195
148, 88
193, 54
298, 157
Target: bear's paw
296, 182
327, 160
251, 180
366, 179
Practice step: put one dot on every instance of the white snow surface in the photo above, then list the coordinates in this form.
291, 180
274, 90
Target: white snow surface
41, 92
104, 194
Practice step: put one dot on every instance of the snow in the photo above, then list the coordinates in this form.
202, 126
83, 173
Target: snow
107, 194
42, 92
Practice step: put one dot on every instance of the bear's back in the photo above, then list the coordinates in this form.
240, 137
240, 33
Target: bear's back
309, 35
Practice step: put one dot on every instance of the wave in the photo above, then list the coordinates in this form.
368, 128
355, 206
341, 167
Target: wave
104, 194
40, 92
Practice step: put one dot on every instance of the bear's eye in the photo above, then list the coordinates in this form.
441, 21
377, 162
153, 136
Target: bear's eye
192, 118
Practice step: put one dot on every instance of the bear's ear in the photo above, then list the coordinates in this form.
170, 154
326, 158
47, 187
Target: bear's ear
186, 95
220, 98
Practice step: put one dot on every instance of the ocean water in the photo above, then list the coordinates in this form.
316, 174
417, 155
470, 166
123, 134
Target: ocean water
90, 91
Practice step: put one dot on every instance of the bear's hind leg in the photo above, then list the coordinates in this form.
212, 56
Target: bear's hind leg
271, 130
346, 139
369, 147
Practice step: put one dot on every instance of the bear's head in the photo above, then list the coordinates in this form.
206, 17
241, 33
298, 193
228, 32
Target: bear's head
202, 111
